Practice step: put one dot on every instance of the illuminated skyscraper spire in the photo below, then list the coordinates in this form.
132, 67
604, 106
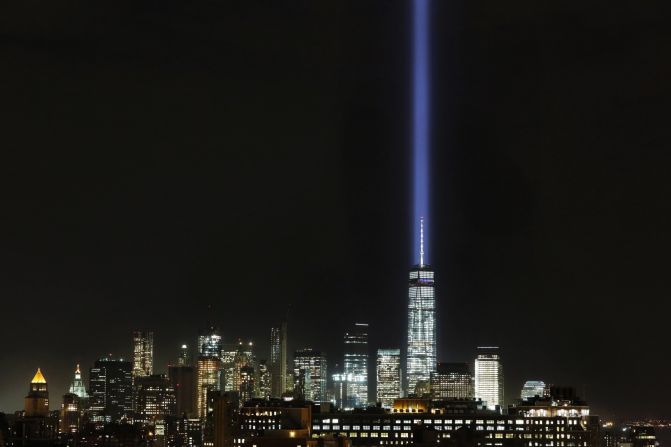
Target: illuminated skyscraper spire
421, 241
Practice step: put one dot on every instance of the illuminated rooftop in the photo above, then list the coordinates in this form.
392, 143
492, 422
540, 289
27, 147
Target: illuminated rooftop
39, 378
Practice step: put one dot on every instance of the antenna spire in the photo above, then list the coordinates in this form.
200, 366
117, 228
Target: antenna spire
421, 241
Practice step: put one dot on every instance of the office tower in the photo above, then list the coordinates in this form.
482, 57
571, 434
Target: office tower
533, 388
235, 356
208, 379
143, 353
264, 386
356, 365
209, 342
452, 381
489, 376
184, 358
36, 403
388, 371
278, 359
421, 354
70, 414
310, 372
155, 398
77, 386
247, 383
110, 389
182, 380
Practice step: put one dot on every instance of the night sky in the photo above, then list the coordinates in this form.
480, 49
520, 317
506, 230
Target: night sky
255, 155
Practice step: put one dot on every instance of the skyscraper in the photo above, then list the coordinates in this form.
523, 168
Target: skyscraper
143, 353
208, 379
209, 342
70, 414
533, 388
278, 359
452, 381
111, 389
77, 386
263, 388
182, 380
489, 376
388, 367
36, 403
155, 397
356, 365
310, 371
184, 356
421, 355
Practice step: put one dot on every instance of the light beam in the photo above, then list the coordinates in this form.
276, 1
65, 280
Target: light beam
420, 122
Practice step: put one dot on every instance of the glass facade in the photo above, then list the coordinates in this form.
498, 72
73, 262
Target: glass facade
278, 359
356, 366
209, 343
421, 354
388, 367
143, 353
489, 376
310, 375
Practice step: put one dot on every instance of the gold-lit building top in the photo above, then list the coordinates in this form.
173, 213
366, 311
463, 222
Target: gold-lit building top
39, 378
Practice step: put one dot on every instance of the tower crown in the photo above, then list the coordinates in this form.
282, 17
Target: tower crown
39, 378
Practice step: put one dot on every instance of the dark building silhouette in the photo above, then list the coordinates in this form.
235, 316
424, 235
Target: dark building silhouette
110, 390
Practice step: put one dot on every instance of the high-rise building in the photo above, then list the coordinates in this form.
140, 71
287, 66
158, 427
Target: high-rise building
489, 376
143, 353
184, 358
36, 403
208, 379
452, 381
263, 388
155, 397
421, 354
77, 386
70, 414
388, 368
110, 389
209, 342
247, 383
356, 365
311, 375
278, 359
236, 356
533, 388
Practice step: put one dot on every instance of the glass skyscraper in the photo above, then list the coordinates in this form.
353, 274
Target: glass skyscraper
356, 365
143, 353
489, 376
452, 381
310, 374
278, 359
421, 354
388, 376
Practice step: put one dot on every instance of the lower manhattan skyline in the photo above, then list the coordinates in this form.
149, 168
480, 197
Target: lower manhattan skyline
178, 168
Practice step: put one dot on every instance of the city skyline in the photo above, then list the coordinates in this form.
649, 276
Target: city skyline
257, 158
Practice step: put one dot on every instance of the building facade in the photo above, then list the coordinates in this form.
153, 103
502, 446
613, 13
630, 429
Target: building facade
77, 386
388, 372
278, 359
208, 379
110, 390
452, 381
155, 398
533, 388
310, 375
421, 348
143, 353
489, 376
355, 364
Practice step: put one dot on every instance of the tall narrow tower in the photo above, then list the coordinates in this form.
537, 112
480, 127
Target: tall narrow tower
143, 353
278, 359
421, 354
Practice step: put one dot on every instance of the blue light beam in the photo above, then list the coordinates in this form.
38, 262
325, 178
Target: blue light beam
420, 122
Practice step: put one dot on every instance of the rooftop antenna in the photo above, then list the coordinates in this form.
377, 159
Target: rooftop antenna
421, 241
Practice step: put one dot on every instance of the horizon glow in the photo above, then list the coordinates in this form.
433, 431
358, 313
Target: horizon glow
420, 124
